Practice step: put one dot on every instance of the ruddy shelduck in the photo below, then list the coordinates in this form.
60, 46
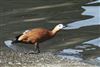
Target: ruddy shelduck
37, 35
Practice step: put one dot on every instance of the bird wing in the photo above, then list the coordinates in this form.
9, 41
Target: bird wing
36, 35
39, 34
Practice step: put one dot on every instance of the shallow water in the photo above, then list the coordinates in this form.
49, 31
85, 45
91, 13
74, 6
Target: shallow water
90, 49
91, 11
82, 25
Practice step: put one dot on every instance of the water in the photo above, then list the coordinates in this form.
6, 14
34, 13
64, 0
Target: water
91, 11
78, 41
93, 44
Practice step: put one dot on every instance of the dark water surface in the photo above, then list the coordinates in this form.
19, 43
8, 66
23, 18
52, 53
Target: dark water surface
82, 25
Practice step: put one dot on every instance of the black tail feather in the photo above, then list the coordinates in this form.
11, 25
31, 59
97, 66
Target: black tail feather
16, 40
18, 36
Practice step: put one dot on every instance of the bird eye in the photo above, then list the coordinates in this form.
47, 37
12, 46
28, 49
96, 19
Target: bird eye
60, 25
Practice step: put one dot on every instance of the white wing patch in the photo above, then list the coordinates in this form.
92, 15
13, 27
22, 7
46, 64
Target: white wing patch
26, 31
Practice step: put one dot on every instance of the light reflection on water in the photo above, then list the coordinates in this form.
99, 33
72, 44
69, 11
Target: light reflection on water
95, 42
89, 10
98, 1
87, 46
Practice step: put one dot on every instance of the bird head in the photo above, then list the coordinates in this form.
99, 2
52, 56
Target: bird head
59, 26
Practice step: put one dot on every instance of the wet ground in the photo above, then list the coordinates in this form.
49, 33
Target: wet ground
77, 45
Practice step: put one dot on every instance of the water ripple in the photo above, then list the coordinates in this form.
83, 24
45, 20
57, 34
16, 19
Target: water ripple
24, 20
34, 8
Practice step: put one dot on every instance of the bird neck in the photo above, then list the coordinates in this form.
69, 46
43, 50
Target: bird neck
55, 30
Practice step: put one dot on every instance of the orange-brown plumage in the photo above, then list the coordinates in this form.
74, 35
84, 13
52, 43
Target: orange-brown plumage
37, 35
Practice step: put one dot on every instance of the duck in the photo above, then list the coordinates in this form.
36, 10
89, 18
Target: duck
37, 35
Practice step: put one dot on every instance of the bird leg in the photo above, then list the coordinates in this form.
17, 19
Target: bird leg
36, 49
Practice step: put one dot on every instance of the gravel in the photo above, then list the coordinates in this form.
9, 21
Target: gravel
45, 59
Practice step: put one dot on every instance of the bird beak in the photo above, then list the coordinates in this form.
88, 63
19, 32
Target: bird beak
15, 41
64, 27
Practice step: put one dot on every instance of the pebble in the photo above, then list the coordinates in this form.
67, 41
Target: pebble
11, 63
0, 61
18, 63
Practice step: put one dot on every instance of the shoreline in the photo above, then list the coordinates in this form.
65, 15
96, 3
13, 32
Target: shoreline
47, 59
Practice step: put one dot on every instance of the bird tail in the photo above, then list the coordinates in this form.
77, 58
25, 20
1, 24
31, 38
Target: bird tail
16, 39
